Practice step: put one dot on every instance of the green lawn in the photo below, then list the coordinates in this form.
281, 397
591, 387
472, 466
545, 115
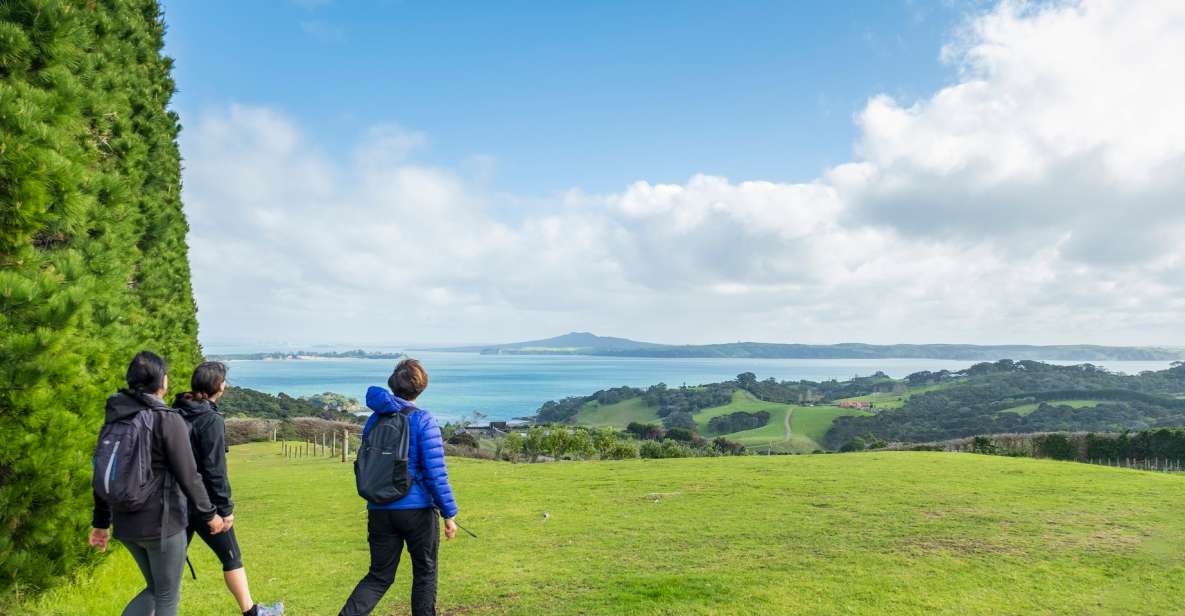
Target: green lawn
618, 415
813, 422
1025, 409
872, 533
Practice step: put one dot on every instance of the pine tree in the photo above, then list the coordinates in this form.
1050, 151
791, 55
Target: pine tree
93, 260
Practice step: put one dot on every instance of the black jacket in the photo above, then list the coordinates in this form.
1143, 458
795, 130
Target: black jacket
207, 436
171, 453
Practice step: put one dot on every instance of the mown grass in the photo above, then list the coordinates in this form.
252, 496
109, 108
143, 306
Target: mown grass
618, 415
1026, 409
872, 533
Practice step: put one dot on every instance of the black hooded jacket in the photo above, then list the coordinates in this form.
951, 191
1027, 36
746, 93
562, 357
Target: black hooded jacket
171, 453
207, 436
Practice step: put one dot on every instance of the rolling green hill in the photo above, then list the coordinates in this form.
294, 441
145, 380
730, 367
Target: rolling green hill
742, 401
807, 426
939, 534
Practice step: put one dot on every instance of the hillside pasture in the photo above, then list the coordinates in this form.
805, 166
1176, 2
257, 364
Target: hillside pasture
941, 534
742, 401
1026, 409
813, 422
887, 400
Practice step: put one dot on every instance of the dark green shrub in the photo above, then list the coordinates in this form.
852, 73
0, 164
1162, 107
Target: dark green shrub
650, 449
855, 444
728, 447
1056, 446
464, 439
681, 434
984, 445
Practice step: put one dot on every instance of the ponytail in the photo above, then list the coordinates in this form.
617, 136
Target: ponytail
208, 379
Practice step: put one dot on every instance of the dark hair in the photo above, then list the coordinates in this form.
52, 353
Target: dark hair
146, 373
207, 379
409, 379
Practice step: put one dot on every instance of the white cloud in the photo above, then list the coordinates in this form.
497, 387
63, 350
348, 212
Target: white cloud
1036, 200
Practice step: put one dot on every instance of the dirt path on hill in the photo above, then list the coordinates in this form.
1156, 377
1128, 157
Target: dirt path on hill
789, 412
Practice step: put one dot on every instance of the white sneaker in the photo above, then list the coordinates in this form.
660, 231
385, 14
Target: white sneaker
275, 609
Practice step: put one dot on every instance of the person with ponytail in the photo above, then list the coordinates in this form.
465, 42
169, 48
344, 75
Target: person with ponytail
207, 435
144, 474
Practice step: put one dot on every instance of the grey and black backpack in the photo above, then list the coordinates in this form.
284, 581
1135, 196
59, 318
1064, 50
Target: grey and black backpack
380, 470
123, 474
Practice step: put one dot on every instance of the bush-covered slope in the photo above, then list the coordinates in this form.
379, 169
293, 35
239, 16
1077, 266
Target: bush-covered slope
93, 260
976, 404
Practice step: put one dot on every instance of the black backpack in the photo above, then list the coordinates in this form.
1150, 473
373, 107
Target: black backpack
123, 474
380, 470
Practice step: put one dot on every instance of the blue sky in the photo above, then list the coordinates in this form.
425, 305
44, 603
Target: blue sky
963, 171
565, 94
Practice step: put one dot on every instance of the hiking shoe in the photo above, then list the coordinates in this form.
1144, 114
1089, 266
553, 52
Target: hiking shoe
275, 609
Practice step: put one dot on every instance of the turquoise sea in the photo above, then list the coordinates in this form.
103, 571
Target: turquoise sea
508, 386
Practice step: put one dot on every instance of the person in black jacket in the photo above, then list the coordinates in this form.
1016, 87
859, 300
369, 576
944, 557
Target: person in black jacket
207, 434
153, 534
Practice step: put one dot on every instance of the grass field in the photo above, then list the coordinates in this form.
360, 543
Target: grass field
871, 533
742, 401
813, 422
1025, 409
618, 415
894, 401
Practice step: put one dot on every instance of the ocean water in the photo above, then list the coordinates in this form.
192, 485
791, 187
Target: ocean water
509, 386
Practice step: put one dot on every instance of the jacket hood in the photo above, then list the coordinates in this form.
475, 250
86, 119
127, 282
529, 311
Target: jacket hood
124, 403
192, 408
384, 402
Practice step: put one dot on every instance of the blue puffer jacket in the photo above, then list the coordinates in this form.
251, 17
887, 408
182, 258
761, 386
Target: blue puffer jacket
425, 456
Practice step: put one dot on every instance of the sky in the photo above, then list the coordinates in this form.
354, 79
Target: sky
387, 173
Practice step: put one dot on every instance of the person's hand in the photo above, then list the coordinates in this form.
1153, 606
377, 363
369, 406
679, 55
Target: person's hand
227, 522
450, 529
99, 538
216, 524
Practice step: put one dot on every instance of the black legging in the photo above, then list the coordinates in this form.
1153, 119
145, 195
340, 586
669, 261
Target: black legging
225, 546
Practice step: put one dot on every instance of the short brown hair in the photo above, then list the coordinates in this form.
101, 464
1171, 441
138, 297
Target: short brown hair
409, 379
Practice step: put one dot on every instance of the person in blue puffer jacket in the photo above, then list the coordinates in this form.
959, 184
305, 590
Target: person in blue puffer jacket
412, 519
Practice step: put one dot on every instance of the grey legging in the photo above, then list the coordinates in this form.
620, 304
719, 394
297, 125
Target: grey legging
162, 572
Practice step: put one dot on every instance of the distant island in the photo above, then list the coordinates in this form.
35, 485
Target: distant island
585, 343
300, 355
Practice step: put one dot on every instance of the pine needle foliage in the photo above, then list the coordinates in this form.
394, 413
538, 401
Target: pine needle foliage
93, 260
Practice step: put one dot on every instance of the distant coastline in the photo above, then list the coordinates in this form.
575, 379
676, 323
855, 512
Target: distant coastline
303, 355
584, 343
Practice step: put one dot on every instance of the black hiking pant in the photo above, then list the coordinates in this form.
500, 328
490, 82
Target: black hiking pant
387, 531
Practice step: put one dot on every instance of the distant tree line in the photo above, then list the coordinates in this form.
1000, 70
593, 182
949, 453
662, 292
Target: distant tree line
565, 442
1165, 444
243, 402
295, 355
